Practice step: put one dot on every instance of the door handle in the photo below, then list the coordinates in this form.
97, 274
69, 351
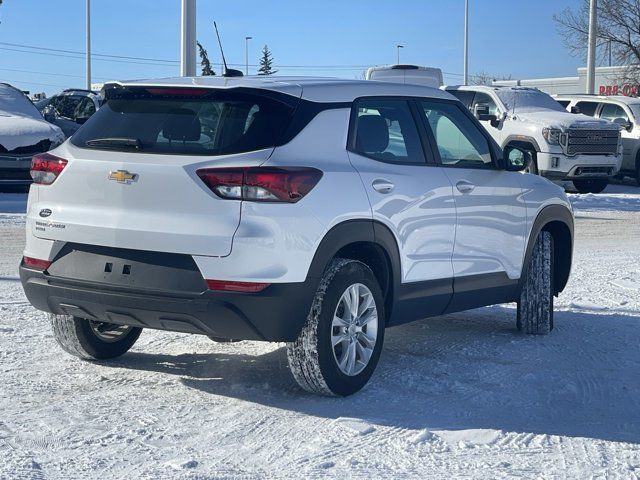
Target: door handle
383, 186
465, 187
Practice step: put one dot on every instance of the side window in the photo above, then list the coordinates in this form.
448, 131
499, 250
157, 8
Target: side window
385, 130
564, 103
84, 109
464, 96
611, 112
459, 140
588, 108
483, 98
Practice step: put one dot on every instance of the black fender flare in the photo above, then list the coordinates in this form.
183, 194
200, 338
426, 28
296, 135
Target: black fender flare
521, 139
360, 230
548, 218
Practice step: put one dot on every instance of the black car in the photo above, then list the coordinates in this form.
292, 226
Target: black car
70, 108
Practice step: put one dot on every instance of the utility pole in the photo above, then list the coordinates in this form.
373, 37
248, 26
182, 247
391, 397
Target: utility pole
398, 47
246, 54
466, 42
88, 46
591, 51
188, 39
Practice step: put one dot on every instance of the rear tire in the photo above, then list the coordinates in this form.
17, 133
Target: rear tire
338, 348
535, 305
594, 185
92, 340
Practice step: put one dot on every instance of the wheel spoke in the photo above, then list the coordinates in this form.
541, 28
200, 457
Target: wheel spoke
351, 358
366, 340
339, 322
367, 301
373, 315
336, 339
364, 353
354, 293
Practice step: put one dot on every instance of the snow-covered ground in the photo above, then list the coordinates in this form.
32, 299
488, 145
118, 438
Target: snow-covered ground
458, 396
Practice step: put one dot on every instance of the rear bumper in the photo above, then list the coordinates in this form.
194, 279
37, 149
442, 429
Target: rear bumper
275, 314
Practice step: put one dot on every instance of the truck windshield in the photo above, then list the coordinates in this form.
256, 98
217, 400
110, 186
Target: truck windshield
527, 99
185, 122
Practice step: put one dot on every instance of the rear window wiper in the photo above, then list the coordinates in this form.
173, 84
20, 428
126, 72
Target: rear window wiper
115, 142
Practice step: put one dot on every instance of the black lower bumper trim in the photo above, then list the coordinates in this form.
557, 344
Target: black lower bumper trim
275, 314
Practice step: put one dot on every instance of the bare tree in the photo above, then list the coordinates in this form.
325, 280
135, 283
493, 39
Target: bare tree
618, 32
484, 78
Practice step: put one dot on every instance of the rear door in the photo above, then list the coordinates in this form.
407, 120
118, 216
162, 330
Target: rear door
408, 193
491, 216
131, 179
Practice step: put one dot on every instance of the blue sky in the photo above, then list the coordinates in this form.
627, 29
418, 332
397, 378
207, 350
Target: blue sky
329, 37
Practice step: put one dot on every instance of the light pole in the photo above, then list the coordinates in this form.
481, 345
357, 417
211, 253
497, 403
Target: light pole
466, 42
591, 50
88, 46
398, 47
246, 54
188, 39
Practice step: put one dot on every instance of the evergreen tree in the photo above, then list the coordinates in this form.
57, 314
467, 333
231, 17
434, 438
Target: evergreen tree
266, 63
204, 61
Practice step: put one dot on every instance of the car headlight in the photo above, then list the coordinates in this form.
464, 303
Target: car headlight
552, 135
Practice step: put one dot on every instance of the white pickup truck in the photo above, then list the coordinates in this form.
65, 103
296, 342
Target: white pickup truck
562, 146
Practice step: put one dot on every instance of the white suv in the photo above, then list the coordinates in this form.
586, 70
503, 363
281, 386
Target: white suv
314, 212
625, 111
562, 146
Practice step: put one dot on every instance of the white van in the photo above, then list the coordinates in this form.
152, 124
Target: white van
412, 74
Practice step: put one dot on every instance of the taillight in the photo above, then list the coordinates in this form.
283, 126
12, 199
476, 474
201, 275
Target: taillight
229, 286
36, 263
45, 168
261, 184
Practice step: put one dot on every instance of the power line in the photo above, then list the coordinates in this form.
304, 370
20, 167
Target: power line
8, 80
75, 54
45, 73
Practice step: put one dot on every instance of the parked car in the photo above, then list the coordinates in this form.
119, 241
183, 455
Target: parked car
411, 74
562, 146
625, 111
315, 212
23, 133
70, 108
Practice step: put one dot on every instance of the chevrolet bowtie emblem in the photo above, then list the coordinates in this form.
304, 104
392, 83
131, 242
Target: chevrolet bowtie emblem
122, 176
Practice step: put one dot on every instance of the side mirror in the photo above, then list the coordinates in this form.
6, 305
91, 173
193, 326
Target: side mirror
575, 109
624, 123
515, 159
81, 120
481, 112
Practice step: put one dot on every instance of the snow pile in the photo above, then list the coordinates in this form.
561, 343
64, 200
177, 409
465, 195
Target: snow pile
457, 396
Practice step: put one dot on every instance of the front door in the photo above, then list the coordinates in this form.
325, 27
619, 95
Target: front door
491, 215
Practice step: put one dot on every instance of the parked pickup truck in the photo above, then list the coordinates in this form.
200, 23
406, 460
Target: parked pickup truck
625, 111
561, 145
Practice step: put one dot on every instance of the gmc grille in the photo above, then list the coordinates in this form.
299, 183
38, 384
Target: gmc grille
591, 142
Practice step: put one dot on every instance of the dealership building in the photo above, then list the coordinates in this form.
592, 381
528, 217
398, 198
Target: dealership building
607, 82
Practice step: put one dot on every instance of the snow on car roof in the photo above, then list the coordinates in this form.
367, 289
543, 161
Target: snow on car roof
318, 89
584, 96
14, 102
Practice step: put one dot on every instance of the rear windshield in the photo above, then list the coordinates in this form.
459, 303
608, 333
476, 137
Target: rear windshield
185, 122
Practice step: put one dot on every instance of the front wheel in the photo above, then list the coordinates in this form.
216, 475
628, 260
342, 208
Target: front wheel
535, 305
339, 346
592, 185
92, 340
